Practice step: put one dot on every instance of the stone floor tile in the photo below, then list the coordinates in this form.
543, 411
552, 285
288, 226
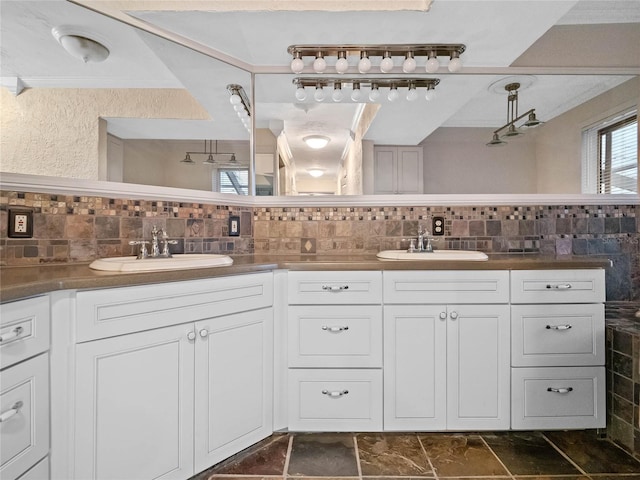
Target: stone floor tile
323, 455
392, 454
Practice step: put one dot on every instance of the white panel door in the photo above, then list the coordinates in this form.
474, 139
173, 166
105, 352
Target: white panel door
234, 384
134, 406
415, 367
409, 170
384, 169
478, 367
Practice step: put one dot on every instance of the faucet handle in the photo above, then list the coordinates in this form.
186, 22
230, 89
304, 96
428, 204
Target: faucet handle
143, 247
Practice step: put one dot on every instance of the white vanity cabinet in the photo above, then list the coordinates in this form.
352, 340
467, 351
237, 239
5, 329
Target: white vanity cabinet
169, 402
446, 350
24, 388
558, 349
335, 351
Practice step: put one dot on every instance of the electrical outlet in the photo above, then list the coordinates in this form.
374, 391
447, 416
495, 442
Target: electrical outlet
20, 223
437, 226
234, 226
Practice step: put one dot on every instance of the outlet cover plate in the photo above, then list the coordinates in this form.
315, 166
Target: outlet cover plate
20, 223
234, 226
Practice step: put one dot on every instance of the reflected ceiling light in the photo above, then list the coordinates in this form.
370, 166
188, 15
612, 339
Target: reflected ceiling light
496, 141
512, 117
364, 64
337, 84
301, 95
430, 94
80, 45
187, 159
386, 65
240, 102
315, 172
409, 64
408, 53
208, 150
342, 65
316, 141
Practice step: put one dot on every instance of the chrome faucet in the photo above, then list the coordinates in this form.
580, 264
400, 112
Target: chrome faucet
422, 235
156, 250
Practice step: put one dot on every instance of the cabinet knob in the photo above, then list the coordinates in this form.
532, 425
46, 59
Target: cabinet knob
453, 315
443, 315
560, 390
191, 335
204, 333
4, 416
335, 393
15, 333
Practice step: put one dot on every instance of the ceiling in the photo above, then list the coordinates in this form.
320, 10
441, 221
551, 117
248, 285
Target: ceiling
498, 36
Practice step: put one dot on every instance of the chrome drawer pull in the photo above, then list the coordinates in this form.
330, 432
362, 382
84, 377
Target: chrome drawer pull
335, 288
11, 412
559, 327
560, 390
11, 335
559, 286
335, 393
334, 329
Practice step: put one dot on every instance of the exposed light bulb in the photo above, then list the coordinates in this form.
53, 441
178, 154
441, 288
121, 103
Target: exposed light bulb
374, 94
235, 99
433, 64
297, 65
319, 64
386, 65
393, 94
301, 94
238, 106
342, 65
356, 94
409, 64
364, 65
455, 64
337, 95
412, 94
431, 93
319, 94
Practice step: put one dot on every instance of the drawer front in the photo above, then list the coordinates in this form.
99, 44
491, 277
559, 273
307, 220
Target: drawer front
116, 311
557, 335
24, 329
451, 286
338, 288
24, 430
557, 286
335, 336
556, 397
335, 400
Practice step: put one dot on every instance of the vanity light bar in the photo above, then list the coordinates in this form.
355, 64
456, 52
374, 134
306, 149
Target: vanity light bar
241, 104
408, 51
357, 83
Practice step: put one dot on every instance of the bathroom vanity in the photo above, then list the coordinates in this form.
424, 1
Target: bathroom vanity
165, 374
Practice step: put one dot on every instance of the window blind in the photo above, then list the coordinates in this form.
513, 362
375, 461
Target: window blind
618, 156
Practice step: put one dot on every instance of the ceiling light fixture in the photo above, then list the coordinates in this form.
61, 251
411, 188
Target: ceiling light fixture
513, 117
356, 83
208, 150
316, 141
315, 172
240, 102
408, 52
80, 45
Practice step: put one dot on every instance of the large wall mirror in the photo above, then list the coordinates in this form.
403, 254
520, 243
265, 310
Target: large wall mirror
158, 111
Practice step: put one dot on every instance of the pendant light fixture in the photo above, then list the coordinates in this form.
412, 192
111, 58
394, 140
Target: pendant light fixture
210, 153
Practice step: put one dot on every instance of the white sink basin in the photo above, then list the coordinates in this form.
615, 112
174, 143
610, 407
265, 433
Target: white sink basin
457, 255
177, 262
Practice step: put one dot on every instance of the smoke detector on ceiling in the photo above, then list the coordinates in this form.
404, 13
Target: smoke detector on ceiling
78, 44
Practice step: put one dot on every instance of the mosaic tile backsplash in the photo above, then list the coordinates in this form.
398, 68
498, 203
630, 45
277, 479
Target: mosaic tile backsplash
82, 228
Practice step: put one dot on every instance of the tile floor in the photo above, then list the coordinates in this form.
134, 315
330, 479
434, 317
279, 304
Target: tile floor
574, 455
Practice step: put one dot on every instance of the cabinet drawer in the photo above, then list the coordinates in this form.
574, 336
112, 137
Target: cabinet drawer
24, 329
116, 311
558, 397
451, 286
557, 335
338, 288
24, 431
335, 336
335, 400
557, 286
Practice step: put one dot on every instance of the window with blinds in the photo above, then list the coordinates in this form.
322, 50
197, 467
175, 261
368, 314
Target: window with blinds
234, 180
618, 157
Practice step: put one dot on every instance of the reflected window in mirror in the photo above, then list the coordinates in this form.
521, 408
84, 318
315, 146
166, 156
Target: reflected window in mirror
233, 180
610, 154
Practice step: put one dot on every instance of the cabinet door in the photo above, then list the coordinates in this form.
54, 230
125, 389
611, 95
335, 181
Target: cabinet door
234, 384
134, 406
409, 170
415, 367
478, 367
385, 170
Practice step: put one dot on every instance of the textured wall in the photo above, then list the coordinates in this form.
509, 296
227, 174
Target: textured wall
55, 132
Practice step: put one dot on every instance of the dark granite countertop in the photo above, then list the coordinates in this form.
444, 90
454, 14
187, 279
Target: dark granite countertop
26, 281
